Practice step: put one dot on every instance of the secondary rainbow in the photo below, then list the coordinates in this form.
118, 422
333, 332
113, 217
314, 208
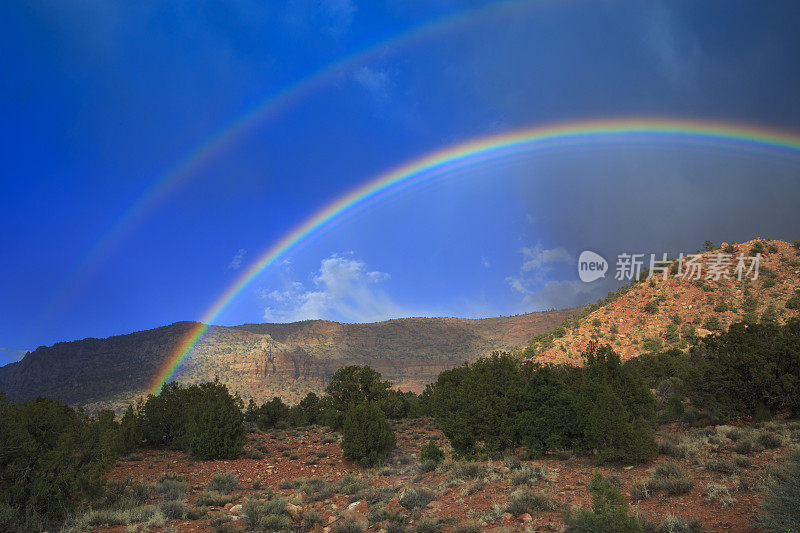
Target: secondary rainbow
184, 169
444, 163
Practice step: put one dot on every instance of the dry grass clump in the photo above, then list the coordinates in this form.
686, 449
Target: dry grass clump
716, 492
683, 446
528, 474
526, 501
670, 478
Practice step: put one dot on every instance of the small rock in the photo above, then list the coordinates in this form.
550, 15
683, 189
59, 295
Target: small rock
507, 516
235, 509
526, 517
394, 505
360, 506
228, 506
294, 510
356, 517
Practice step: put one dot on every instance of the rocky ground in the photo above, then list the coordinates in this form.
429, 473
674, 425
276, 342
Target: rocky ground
709, 474
631, 330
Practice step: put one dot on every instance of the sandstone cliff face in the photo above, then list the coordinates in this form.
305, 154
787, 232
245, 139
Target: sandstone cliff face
263, 360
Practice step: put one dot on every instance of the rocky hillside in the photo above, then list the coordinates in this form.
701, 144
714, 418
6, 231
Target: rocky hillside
263, 360
657, 314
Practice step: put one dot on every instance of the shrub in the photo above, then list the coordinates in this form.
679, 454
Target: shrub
465, 469
676, 524
215, 425
163, 416
712, 323
348, 526
770, 315
794, 301
51, 459
670, 478
213, 498
354, 385
652, 345
267, 515
351, 484
747, 367
223, 482
528, 474
254, 454
651, 307
367, 436
173, 509
204, 420
547, 413
269, 415
720, 493
723, 466
780, 506
171, 489
432, 453
609, 511
478, 403
616, 409
684, 447
414, 497
526, 501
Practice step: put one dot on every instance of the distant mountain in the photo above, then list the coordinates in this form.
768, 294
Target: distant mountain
659, 314
263, 360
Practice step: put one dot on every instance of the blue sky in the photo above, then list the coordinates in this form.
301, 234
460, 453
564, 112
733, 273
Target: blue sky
99, 98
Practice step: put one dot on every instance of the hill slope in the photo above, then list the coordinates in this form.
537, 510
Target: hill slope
659, 314
263, 360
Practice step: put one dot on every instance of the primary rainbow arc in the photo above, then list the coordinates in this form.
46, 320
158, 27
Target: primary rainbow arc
444, 162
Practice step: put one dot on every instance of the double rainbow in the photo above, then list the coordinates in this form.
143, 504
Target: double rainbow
446, 162
182, 171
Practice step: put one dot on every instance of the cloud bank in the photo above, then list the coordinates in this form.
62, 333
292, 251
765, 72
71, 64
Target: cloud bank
343, 290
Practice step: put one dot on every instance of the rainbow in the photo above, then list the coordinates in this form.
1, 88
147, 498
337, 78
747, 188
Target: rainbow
448, 161
185, 168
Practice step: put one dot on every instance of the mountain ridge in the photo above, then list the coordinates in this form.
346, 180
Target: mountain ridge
262, 360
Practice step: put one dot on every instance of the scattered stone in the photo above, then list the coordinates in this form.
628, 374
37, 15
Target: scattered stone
526, 517
235, 509
394, 505
294, 510
355, 516
360, 506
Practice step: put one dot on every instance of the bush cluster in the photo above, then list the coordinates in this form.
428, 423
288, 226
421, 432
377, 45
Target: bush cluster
752, 369
349, 386
367, 436
204, 420
780, 508
498, 403
51, 459
609, 511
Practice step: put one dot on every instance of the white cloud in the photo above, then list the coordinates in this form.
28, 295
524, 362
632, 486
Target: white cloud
485, 262
236, 262
540, 259
343, 290
537, 261
562, 294
376, 82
